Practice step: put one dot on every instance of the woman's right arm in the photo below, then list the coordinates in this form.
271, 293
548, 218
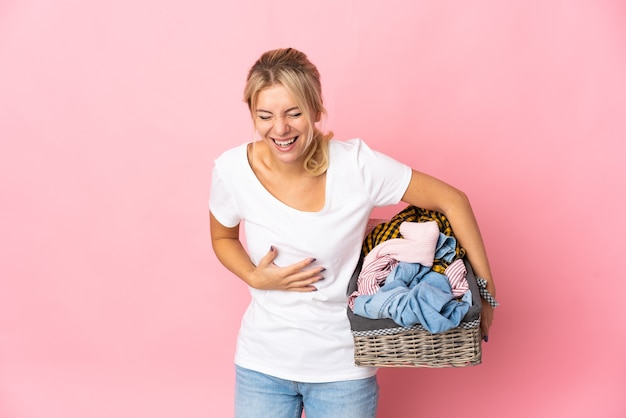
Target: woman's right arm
267, 276
230, 251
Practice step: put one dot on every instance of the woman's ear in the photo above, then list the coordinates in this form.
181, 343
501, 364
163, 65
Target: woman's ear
318, 117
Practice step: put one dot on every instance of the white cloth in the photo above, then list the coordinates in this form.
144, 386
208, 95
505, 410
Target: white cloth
305, 336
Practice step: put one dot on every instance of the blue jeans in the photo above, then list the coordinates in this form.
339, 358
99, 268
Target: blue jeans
263, 396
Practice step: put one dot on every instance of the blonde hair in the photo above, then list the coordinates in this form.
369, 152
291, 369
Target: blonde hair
293, 70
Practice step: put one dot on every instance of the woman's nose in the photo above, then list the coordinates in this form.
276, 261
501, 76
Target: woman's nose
281, 126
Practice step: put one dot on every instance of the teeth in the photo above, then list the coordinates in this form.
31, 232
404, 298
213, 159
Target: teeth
285, 143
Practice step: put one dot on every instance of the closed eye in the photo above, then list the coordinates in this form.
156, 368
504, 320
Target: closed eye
264, 115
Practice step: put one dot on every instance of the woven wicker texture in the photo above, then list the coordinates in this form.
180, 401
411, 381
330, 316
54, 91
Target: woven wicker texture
457, 347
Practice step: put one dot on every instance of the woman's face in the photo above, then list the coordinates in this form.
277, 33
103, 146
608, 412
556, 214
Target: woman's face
281, 124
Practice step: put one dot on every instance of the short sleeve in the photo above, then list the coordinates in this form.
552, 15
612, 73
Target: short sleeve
221, 201
385, 178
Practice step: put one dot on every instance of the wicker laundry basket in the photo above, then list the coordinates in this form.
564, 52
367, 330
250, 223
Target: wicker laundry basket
383, 343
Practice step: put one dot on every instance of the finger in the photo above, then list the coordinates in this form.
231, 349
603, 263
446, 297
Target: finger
300, 266
269, 257
304, 289
304, 281
303, 278
484, 330
485, 321
307, 285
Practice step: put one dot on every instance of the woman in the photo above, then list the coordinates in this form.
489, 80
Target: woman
305, 200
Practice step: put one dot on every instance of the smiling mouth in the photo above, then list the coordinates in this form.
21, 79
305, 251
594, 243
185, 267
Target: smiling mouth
286, 143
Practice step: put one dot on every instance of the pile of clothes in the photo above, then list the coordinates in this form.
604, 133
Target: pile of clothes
413, 272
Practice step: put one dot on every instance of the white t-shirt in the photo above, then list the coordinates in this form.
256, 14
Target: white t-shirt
305, 336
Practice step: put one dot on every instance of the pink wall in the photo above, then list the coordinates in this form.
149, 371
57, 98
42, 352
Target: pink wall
111, 113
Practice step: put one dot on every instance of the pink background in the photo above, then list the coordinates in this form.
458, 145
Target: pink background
112, 303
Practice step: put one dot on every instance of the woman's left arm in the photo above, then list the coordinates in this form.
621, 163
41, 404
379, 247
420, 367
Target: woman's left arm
427, 192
